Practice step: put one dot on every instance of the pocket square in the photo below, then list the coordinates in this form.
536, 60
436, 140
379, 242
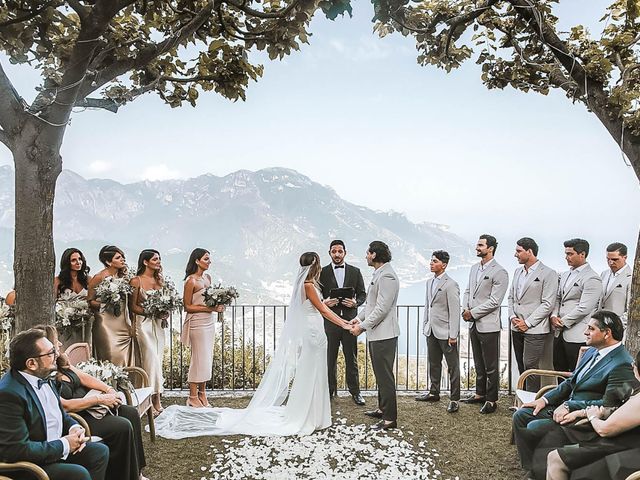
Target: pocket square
371, 283
576, 284
536, 280
618, 286
486, 278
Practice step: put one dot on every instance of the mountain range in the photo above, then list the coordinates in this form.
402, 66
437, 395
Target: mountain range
256, 224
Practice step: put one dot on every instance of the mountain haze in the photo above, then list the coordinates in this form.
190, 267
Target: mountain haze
256, 224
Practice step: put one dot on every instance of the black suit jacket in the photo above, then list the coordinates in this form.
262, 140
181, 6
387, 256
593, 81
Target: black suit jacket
610, 382
23, 432
352, 278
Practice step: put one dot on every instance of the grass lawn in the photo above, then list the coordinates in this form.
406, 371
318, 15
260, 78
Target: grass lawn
467, 445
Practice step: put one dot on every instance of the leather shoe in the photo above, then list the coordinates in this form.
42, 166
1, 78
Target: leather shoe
489, 407
357, 399
373, 413
333, 394
453, 406
473, 399
384, 425
428, 397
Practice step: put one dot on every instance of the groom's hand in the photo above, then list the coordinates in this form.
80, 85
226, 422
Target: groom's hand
356, 330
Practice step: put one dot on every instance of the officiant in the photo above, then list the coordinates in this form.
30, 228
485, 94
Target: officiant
343, 292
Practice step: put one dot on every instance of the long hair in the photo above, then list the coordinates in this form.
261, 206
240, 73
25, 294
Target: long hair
62, 361
312, 259
106, 255
65, 271
146, 255
196, 255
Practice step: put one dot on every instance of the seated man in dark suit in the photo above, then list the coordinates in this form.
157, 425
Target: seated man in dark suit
604, 377
32, 421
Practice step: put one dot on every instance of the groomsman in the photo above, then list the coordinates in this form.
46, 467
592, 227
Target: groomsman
338, 274
441, 326
379, 319
532, 297
488, 283
579, 293
616, 282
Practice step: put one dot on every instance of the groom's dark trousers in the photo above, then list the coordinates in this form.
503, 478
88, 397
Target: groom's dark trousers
383, 354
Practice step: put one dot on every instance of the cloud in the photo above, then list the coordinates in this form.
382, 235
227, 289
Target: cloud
100, 166
159, 172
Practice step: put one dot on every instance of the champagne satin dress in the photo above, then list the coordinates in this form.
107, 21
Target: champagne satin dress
151, 341
112, 337
77, 335
198, 331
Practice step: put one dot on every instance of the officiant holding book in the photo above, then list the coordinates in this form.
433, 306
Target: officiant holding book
343, 292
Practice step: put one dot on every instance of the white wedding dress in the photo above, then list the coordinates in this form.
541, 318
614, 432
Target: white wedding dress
293, 396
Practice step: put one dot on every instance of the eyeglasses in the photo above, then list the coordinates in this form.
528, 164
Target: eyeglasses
53, 352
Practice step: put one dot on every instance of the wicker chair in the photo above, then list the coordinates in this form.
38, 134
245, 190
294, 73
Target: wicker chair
141, 398
78, 352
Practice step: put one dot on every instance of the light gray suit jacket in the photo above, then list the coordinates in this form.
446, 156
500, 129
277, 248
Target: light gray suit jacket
617, 298
537, 300
576, 302
442, 310
483, 298
379, 317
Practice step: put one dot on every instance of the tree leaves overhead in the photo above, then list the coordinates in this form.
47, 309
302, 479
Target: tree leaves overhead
174, 48
517, 44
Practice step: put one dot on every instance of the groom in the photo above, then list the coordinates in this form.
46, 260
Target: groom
380, 320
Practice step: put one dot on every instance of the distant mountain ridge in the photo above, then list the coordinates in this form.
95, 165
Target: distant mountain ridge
256, 225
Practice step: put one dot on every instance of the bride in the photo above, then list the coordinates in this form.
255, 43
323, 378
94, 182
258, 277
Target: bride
293, 396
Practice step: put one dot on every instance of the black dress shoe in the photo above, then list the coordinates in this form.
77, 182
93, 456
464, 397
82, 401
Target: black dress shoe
473, 399
489, 407
373, 413
453, 406
428, 397
384, 425
333, 394
357, 399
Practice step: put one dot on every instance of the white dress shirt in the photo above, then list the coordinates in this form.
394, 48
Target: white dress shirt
573, 272
524, 276
51, 407
611, 280
481, 268
339, 273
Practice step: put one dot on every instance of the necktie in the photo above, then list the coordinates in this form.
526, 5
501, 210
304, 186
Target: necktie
42, 381
594, 360
339, 266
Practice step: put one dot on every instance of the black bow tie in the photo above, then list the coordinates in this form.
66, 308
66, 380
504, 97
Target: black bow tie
42, 381
338, 266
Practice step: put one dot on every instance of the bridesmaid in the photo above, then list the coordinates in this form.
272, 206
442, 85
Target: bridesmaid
150, 331
73, 278
199, 326
112, 336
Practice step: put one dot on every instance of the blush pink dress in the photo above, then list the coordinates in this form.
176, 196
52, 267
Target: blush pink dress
198, 331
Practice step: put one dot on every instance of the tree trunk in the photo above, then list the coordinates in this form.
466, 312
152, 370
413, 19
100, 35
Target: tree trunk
37, 166
633, 320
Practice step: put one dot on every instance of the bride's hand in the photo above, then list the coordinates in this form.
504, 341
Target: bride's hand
346, 325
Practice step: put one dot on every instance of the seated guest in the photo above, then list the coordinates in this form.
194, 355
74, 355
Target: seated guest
33, 425
122, 433
616, 433
603, 377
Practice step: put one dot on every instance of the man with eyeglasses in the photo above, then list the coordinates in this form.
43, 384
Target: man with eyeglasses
33, 425
603, 377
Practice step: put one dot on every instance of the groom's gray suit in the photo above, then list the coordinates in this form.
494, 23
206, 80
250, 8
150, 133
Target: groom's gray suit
379, 319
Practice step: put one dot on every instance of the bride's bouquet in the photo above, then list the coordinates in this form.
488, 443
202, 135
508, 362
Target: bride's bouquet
107, 372
160, 303
215, 295
112, 292
7, 317
72, 311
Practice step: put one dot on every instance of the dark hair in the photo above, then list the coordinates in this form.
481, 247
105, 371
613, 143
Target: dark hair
610, 320
62, 361
196, 255
528, 244
146, 255
106, 255
23, 347
491, 241
579, 245
381, 249
337, 242
313, 259
442, 256
618, 247
64, 276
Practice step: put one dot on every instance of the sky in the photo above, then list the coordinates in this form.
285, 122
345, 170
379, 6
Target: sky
358, 113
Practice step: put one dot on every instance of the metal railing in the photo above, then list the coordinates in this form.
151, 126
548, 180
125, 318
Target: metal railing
247, 336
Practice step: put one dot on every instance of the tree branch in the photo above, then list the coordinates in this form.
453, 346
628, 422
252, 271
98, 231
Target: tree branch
258, 14
103, 103
80, 9
459, 24
10, 103
28, 16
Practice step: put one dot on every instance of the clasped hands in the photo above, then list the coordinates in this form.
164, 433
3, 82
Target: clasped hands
562, 415
353, 326
76, 439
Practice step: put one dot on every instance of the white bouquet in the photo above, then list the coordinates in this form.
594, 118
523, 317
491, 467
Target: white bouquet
107, 372
112, 292
72, 311
215, 295
160, 303
7, 317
